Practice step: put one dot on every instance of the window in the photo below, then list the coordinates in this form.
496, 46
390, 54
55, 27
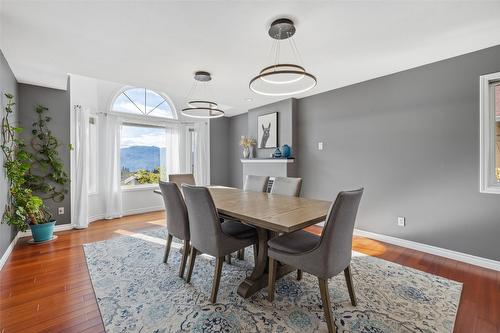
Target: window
490, 133
93, 152
141, 101
142, 154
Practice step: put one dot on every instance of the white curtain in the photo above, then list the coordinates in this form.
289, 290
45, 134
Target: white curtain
111, 173
172, 163
79, 213
201, 167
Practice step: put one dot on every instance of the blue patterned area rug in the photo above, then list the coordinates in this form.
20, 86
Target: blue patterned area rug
136, 292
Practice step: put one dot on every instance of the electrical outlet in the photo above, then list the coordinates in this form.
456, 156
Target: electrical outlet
320, 145
401, 221
60, 210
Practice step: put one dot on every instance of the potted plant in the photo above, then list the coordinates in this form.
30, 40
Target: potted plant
246, 142
23, 208
46, 176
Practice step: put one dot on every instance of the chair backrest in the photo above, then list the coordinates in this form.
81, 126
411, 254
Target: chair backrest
182, 178
336, 239
177, 215
204, 223
287, 186
256, 183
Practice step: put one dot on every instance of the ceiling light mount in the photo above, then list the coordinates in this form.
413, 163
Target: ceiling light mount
202, 107
287, 78
282, 28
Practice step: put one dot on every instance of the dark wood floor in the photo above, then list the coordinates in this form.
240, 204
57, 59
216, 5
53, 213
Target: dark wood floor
47, 288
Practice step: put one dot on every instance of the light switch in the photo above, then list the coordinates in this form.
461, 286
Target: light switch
320, 145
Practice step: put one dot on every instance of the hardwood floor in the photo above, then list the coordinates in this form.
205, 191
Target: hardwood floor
47, 288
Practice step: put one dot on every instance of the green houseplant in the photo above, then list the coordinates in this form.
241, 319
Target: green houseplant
23, 208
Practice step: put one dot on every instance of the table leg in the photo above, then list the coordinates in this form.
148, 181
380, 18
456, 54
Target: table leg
258, 279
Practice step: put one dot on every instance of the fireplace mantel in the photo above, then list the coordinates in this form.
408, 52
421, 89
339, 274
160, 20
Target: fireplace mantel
268, 160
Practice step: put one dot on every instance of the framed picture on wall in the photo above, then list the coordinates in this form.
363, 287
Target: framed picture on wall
267, 130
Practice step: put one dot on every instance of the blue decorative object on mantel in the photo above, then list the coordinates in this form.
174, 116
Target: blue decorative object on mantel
286, 151
277, 153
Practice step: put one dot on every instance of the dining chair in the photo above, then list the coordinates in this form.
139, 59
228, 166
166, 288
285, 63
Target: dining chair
323, 256
210, 236
255, 183
182, 178
287, 186
177, 221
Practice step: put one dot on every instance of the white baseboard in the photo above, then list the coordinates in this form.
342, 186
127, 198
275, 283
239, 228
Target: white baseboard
464, 257
8, 251
143, 210
61, 227
96, 218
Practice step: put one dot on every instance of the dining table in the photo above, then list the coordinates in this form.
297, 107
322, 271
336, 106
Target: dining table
271, 215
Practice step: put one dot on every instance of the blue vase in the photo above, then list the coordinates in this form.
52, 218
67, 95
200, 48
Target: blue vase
286, 151
42, 232
277, 153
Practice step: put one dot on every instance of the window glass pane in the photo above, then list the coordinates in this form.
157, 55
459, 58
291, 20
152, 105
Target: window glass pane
123, 104
163, 110
142, 153
497, 132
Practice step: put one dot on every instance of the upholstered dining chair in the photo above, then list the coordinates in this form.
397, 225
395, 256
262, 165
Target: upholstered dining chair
287, 186
255, 183
210, 236
323, 256
182, 178
177, 221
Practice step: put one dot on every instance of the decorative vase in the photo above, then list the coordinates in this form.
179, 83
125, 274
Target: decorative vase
286, 151
277, 153
246, 152
42, 232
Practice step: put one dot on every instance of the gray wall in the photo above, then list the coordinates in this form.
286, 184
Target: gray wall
58, 103
238, 126
219, 147
412, 140
8, 84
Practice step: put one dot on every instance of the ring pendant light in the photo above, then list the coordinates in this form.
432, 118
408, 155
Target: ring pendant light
283, 79
200, 107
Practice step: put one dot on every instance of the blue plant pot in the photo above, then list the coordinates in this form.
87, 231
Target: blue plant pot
42, 232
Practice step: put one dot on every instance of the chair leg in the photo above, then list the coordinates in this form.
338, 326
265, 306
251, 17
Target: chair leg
299, 274
167, 248
327, 307
350, 285
191, 264
241, 254
271, 278
215, 285
255, 253
228, 259
185, 255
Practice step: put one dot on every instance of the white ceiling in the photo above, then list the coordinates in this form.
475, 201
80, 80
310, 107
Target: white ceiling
159, 44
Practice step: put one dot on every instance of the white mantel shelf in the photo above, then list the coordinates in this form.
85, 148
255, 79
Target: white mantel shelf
268, 160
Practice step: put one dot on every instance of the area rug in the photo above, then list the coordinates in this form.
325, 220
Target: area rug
136, 292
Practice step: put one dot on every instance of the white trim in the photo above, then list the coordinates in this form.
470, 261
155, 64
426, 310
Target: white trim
57, 228
141, 187
464, 257
8, 251
96, 218
267, 160
486, 135
143, 210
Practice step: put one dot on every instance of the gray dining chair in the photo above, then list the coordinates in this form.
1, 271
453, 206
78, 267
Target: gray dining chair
256, 183
177, 221
210, 236
182, 178
323, 256
287, 186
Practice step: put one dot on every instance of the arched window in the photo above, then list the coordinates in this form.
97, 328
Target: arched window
142, 101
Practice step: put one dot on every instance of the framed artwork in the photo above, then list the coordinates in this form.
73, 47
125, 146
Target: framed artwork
267, 130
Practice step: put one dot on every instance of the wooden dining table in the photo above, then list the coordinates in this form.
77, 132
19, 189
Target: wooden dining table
271, 215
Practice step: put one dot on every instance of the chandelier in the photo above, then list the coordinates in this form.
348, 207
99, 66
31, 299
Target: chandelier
283, 79
199, 105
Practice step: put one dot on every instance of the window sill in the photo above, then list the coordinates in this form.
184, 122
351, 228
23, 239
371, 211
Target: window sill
149, 187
